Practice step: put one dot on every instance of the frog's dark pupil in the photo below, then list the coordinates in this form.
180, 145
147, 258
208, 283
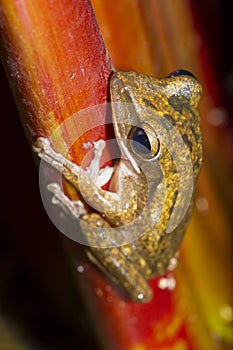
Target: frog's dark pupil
141, 142
180, 72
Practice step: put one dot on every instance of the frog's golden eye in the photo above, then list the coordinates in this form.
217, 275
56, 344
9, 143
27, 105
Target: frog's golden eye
180, 72
144, 142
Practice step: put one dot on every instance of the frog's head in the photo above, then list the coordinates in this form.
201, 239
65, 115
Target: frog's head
176, 95
139, 101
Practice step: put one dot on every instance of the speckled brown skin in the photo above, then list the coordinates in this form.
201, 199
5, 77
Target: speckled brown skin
166, 109
176, 99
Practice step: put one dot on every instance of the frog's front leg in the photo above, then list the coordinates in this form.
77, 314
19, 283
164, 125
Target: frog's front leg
89, 181
71, 171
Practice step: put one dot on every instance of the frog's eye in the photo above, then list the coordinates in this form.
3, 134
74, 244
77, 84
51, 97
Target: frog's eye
144, 142
141, 142
180, 72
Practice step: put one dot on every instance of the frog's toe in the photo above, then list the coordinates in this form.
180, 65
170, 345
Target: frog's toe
41, 144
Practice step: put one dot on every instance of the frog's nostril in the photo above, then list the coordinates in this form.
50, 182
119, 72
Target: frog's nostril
180, 72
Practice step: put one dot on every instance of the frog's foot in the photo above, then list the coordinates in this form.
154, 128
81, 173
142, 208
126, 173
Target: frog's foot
114, 263
90, 180
73, 208
70, 170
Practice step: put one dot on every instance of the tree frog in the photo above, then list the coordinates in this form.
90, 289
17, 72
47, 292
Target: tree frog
156, 125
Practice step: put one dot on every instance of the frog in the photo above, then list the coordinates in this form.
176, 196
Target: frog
145, 196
